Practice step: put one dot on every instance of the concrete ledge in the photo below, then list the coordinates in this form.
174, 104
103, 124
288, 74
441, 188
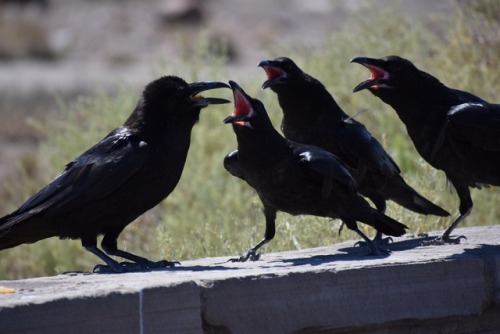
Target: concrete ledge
336, 289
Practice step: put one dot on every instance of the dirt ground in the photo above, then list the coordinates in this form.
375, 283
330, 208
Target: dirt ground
72, 47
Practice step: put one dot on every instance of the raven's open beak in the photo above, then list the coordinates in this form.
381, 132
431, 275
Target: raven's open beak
236, 119
243, 111
378, 77
201, 101
275, 75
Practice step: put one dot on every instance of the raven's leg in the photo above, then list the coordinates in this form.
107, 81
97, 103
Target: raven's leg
109, 245
270, 214
374, 248
380, 204
90, 244
465, 209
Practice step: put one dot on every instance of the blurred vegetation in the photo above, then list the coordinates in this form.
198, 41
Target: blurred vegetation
211, 213
22, 38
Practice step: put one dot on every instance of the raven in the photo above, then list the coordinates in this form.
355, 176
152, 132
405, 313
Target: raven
312, 116
453, 130
295, 178
127, 173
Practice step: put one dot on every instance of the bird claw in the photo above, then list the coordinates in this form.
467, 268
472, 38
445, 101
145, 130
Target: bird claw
374, 248
383, 241
160, 264
123, 267
443, 240
377, 241
360, 244
250, 255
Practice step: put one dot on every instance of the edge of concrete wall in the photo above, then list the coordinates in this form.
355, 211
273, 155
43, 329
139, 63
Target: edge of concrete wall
335, 289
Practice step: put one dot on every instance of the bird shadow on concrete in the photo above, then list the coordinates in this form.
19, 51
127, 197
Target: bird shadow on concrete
354, 254
177, 268
407, 243
357, 253
483, 251
214, 267
396, 244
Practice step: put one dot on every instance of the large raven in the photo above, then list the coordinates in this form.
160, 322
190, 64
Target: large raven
312, 116
127, 173
453, 130
295, 178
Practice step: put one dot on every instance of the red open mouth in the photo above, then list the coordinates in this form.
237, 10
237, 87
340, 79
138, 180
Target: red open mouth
242, 106
273, 72
378, 79
376, 72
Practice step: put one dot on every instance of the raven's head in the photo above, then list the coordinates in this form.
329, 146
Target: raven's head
280, 71
248, 112
170, 99
171, 91
387, 73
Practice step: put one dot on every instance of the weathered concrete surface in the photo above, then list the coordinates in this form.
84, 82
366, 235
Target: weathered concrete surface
337, 289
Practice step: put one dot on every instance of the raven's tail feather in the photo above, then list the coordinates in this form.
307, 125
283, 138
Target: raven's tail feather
400, 192
387, 225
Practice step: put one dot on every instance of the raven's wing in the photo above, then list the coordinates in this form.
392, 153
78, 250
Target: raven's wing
232, 165
93, 175
474, 124
324, 163
467, 97
357, 142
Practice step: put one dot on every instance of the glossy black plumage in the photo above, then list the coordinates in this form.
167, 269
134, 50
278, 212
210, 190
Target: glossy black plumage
455, 131
295, 178
128, 172
312, 116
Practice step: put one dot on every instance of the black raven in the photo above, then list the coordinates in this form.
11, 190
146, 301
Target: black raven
312, 116
127, 173
295, 178
453, 130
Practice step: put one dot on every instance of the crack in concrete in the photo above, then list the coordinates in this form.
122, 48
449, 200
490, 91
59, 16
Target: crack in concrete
141, 314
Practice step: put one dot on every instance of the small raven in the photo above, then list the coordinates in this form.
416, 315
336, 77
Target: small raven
453, 130
312, 116
127, 173
295, 178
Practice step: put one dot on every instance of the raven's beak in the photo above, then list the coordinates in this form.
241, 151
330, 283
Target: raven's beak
275, 75
378, 77
242, 107
236, 119
198, 87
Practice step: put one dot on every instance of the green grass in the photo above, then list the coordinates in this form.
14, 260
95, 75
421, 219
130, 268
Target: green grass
211, 213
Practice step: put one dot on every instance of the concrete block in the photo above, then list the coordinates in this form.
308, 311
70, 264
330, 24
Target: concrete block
334, 289
171, 309
111, 313
496, 281
336, 299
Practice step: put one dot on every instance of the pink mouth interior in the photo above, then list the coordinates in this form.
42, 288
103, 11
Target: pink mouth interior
273, 72
376, 72
241, 105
